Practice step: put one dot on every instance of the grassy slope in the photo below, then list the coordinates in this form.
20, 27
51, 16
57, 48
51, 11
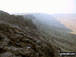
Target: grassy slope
59, 37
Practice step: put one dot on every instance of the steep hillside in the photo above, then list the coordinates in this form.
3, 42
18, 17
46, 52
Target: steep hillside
20, 38
58, 34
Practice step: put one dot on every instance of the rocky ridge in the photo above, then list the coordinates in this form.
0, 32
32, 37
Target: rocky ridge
20, 38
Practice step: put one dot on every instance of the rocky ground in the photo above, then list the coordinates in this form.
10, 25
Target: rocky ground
23, 41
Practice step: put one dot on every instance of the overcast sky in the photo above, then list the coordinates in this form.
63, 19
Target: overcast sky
38, 6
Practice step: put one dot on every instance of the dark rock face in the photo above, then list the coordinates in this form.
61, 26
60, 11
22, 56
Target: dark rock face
17, 40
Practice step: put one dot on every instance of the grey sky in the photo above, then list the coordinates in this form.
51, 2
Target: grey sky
38, 6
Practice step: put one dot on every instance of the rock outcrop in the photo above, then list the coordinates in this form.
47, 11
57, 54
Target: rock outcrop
20, 38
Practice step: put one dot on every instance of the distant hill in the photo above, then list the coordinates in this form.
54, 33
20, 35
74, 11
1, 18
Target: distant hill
69, 20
